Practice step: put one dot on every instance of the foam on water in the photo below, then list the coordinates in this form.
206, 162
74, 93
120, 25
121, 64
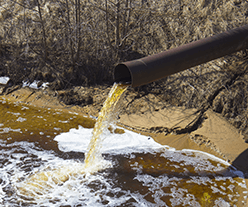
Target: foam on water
145, 174
134, 171
128, 142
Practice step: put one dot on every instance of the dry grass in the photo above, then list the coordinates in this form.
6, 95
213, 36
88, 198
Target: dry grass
79, 41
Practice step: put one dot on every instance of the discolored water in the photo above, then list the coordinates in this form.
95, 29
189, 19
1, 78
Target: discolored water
138, 171
105, 118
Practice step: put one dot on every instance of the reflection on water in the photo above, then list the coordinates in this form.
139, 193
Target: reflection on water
149, 177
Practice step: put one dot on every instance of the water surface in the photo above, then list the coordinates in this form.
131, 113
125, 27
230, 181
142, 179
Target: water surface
140, 172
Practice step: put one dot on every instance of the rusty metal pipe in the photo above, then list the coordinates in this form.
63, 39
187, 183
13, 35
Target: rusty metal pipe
148, 69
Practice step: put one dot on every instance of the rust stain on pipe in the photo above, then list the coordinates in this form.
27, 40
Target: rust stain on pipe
148, 69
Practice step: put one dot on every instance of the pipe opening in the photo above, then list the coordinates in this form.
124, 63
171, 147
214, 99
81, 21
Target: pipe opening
122, 74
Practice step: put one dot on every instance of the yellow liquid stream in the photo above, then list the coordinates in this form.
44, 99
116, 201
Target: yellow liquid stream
105, 117
40, 183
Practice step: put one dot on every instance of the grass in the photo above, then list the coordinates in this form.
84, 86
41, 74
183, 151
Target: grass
79, 42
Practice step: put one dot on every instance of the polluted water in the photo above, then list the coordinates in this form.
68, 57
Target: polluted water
51, 157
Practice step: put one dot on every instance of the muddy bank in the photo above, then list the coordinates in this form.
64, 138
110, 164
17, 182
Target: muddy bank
175, 126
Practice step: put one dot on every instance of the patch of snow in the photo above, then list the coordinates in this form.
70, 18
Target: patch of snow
35, 85
4, 80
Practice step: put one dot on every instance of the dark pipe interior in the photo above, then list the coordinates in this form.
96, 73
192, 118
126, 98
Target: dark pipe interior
122, 74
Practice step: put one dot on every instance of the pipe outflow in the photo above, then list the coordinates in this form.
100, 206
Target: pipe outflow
148, 69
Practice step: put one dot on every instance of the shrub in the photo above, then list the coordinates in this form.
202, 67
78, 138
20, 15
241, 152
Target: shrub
78, 42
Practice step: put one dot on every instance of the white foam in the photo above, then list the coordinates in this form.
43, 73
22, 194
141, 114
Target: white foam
93, 189
8, 129
78, 140
20, 119
208, 155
